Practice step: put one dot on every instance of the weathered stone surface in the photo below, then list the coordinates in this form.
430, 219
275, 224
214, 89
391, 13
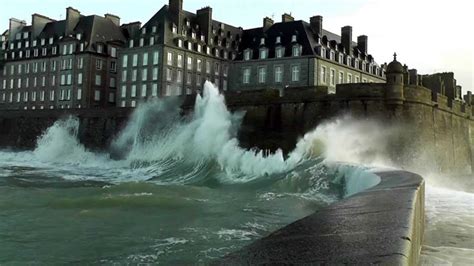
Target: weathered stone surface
383, 225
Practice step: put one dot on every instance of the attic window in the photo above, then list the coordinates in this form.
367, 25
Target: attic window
180, 43
247, 55
262, 41
188, 23
175, 29
51, 40
130, 44
293, 38
278, 39
43, 42
202, 38
296, 50
143, 30
193, 35
100, 48
79, 36
25, 35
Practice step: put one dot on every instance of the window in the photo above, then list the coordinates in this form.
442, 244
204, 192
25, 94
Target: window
130, 44
124, 91
170, 59
263, 53
111, 97
208, 67
124, 61
333, 77
341, 59
145, 59
180, 60
53, 81
323, 75
295, 73
156, 57
98, 80
144, 90
190, 63
42, 96
293, 38
124, 75
341, 78
113, 52
133, 104
199, 65
246, 76
135, 60
153, 29
79, 79
80, 63
53, 66
179, 77
69, 79
247, 55
262, 75
98, 64
51, 95
180, 43
100, 48
113, 67
154, 90
79, 94
43, 81
280, 52
189, 77
134, 75
278, 39
113, 83
333, 55
142, 42
349, 78
198, 80
278, 74
296, 50
357, 79
169, 74
155, 73
217, 69
63, 80
97, 95
144, 74
133, 93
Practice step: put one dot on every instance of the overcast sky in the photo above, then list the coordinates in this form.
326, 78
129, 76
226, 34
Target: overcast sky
430, 35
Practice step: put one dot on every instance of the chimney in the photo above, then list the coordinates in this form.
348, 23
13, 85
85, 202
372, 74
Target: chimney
346, 39
131, 28
267, 23
38, 22
15, 26
316, 23
413, 77
468, 98
362, 43
176, 12
72, 18
204, 20
115, 19
287, 18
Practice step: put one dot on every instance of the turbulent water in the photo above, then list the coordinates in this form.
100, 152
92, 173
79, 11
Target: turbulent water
170, 190
179, 190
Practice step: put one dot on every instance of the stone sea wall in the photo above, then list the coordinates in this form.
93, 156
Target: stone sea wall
433, 132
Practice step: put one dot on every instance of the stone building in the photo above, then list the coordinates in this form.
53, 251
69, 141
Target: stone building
298, 54
174, 53
70, 63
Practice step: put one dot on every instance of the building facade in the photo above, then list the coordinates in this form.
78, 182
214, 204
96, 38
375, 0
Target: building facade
299, 54
70, 63
174, 53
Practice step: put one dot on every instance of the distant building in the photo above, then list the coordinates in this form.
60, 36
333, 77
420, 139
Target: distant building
70, 63
174, 53
297, 54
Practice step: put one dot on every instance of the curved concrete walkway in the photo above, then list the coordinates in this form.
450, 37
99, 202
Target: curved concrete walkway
382, 225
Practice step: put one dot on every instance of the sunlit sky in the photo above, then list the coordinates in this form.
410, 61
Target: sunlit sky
429, 35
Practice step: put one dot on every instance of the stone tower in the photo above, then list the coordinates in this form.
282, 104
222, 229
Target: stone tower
395, 82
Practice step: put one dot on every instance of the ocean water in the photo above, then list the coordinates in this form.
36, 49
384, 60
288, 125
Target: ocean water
170, 190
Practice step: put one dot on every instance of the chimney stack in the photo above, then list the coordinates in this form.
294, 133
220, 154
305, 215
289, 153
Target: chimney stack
115, 19
38, 22
72, 19
267, 23
14, 27
346, 39
413, 77
362, 43
316, 23
287, 18
204, 20
176, 12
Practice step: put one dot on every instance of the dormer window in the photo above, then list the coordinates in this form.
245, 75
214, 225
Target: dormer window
143, 30
363, 66
278, 39
293, 38
296, 50
263, 53
280, 52
130, 44
356, 63
262, 41
51, 40
100, 48
188, 23
174, 29
43, 42
153, 29
333, 56
193, 35
34, 43
199, 48
25, 35
341, 59
247, 55
216, 52
323, 52
190, 46
184, 33
349, 63
180, 43
208, 50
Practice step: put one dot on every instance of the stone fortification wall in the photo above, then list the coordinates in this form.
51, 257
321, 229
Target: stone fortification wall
434, 130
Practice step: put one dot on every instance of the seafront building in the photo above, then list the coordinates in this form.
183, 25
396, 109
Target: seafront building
70, 63
95, 62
